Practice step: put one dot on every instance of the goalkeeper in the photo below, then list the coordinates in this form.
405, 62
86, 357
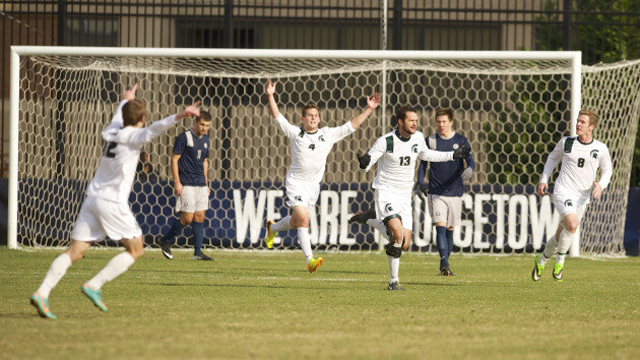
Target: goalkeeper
397, 153
444, 190
105, 211
310, 146
581, 157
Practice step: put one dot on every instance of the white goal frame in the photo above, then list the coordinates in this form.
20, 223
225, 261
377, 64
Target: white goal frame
17, 51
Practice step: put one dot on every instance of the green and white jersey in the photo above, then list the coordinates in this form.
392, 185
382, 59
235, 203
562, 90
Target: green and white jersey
580, 162
309, 151
396, 157
117, 169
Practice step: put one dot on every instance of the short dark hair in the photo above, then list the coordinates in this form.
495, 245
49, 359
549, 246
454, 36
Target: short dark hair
401, 112
309, 106
133, 112
204, 116
444, 112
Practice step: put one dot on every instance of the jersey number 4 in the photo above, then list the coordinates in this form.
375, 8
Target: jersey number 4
108, 150
405, 160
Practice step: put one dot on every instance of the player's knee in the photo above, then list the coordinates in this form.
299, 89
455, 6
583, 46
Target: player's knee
393, 251
136, 253
299, 222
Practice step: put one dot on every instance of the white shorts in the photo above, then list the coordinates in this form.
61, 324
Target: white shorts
193, 199
302, 194
446, 209
99, 218
570, 204
389, 203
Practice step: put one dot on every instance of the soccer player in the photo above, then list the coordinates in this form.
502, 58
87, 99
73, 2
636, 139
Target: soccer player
445, 185
581, 157
190, 165
397, 152
105, 211
310, 146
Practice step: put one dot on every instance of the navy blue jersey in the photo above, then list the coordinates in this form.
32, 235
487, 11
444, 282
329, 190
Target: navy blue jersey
193, 151
444, 177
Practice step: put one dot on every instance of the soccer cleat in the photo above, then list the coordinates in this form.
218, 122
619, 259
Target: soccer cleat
557, 272
94, 295
536, 274
42, 305
201, 256
314, 264
451, 273
446, 272
395, 286
166, 250
362, 217
268, 240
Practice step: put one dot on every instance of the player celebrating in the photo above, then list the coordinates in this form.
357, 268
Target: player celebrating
397, 152
105, 211
445, 185
580, 156
190, 165
310, 147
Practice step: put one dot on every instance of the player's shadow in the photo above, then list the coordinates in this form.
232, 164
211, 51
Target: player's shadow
428, 284
242, 286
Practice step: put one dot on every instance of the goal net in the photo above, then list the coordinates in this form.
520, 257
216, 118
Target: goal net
512, 106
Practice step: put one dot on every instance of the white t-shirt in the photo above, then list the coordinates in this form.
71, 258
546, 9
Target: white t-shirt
580, 163
397, 159
117, 169
309, 151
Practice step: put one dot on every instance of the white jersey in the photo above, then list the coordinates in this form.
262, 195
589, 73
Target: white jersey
580, 163
309, 151
397, 156
117, 169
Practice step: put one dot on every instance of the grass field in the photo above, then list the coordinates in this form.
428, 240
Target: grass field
266, 305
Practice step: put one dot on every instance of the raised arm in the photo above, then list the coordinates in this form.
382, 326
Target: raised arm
273, 106
372, 104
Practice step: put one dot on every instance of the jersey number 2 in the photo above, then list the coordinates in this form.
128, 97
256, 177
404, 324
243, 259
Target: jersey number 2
108, 150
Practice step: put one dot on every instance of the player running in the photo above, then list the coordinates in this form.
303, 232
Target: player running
310, 146
396, 153
105, 211
581, 157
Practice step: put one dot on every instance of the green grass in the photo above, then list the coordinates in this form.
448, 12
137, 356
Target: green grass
266, 305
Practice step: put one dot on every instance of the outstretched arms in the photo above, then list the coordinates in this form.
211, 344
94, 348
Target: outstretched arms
273, 106
372, 103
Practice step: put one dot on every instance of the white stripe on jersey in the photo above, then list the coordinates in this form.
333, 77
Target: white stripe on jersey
309, 151
579, 166
397, 165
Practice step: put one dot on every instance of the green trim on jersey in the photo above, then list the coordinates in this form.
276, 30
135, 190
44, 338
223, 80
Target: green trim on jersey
568, 144
389, 144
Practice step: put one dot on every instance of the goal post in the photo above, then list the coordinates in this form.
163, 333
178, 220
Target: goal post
513, 106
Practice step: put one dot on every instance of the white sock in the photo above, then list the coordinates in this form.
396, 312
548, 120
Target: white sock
379, 225
394, 267
282, 225
57, 270
119, 264
550, 249
566, 239
305, 242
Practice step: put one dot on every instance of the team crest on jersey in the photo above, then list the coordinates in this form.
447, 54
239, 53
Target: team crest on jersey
594, 153
388, 208
298, 198
206, 145
321, 138
568, 203
455, 146
414, 148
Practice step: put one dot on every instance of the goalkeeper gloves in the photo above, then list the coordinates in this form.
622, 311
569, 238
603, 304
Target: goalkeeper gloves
466, 174
364, 161
462, 152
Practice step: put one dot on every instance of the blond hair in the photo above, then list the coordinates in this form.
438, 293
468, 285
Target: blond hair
593, 117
